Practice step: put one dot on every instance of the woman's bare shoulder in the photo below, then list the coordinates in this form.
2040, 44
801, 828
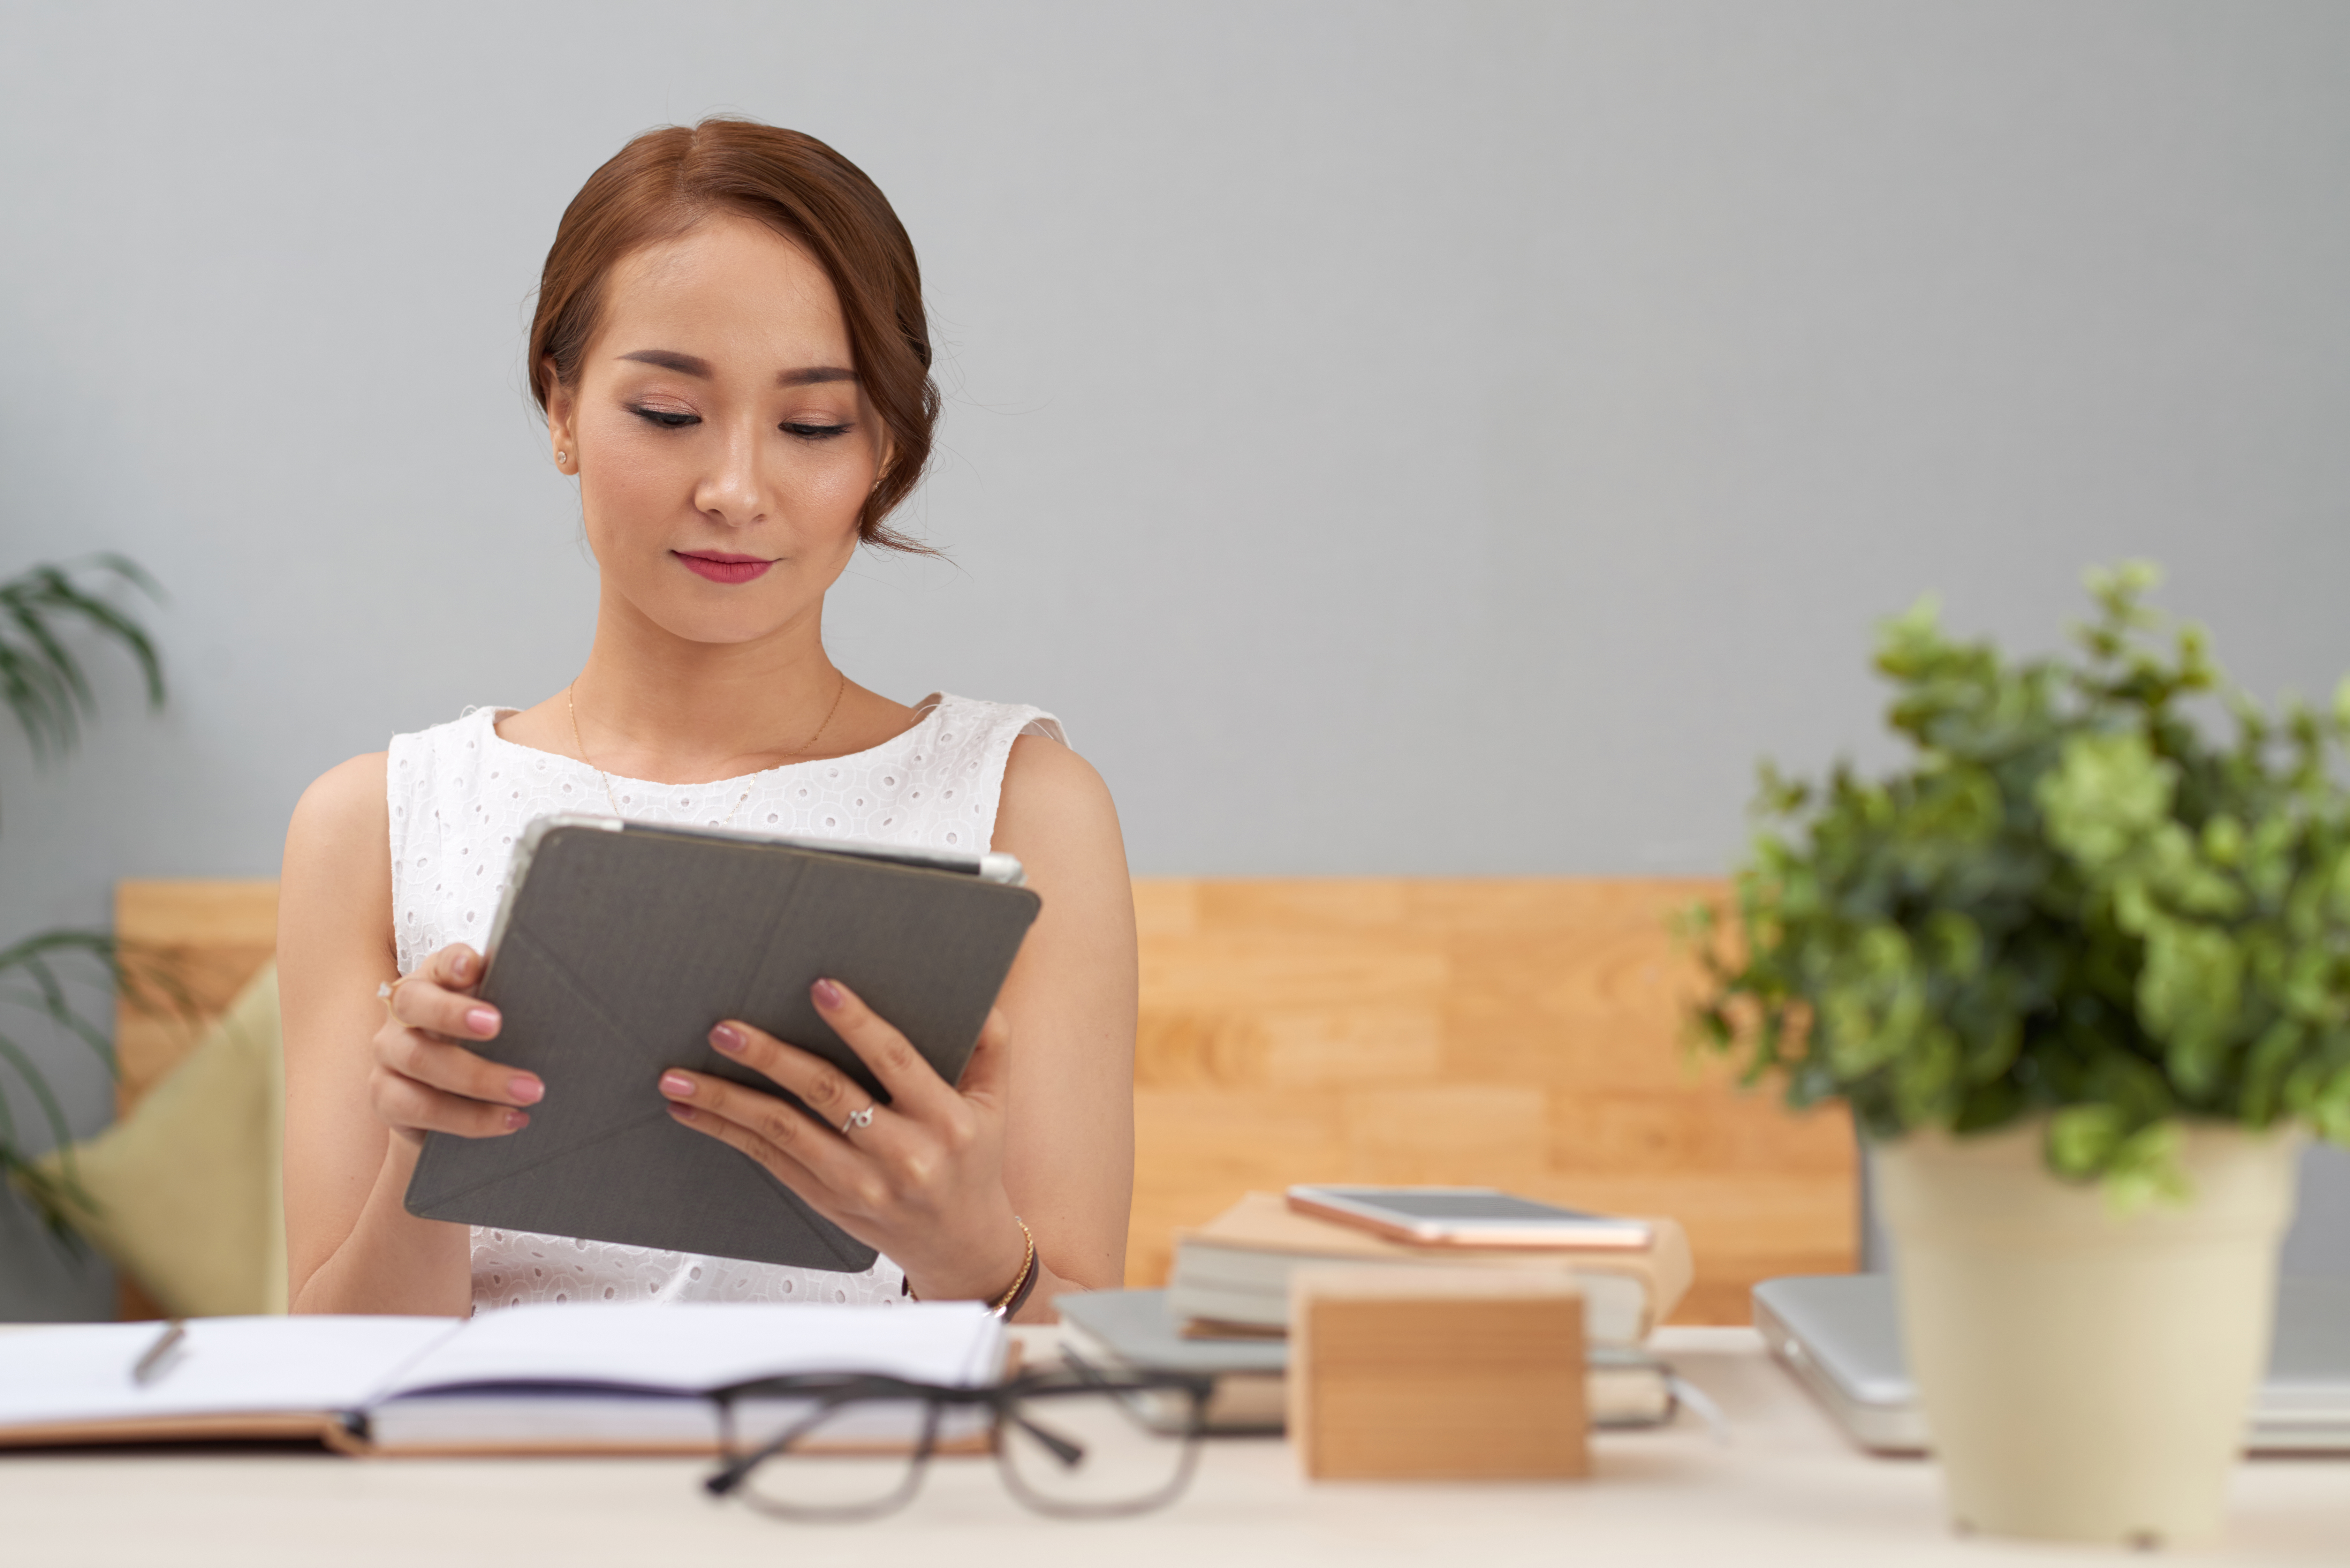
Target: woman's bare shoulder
1053, 803
348, 798
342, 827
1050, 774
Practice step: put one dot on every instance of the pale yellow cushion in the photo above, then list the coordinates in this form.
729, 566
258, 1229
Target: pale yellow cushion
184, 1190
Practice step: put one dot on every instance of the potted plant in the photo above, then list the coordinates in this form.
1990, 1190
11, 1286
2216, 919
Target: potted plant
2082, 973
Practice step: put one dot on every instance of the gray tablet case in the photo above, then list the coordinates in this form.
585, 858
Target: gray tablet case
617, 949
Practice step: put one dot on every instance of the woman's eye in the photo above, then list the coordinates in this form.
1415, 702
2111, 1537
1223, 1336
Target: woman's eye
816, 432
666, 418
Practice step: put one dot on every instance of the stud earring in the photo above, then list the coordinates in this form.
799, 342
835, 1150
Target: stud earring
562, 457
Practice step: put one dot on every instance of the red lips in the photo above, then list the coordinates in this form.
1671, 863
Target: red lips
721, 567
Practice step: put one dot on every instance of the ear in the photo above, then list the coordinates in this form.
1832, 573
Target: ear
562, 426
885, 446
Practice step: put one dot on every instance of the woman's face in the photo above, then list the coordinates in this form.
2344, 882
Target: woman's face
723, 446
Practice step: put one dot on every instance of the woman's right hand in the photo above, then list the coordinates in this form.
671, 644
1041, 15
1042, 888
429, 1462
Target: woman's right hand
425, 1079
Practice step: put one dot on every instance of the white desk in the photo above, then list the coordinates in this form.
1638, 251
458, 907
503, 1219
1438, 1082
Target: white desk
1788, 1490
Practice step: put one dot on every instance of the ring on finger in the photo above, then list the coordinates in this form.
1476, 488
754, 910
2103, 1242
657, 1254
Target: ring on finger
387, 992
855, 1119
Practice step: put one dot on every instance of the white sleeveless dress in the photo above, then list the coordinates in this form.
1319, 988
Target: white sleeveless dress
461, 796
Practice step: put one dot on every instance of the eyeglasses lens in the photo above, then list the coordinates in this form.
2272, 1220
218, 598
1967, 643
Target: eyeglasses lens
849, 1461
1094, 1450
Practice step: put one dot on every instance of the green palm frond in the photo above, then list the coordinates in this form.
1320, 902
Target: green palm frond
51, 1199
44, 974
39, 674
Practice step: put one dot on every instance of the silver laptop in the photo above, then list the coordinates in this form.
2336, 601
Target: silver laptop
1840, 1336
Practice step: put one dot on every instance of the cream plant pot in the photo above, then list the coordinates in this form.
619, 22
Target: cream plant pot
2086, 1376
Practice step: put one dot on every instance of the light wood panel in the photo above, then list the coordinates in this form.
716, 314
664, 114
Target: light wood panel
215, 934
1523, 1033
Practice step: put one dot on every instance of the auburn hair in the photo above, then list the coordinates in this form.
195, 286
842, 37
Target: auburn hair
666, 181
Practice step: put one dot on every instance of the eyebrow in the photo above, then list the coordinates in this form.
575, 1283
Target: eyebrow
691, 365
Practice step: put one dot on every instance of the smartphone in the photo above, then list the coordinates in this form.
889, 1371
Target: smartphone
1468, 1217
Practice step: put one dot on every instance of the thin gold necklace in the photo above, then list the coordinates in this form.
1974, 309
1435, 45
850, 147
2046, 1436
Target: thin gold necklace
571, 703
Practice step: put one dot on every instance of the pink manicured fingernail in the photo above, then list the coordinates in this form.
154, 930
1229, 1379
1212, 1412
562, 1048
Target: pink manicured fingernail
727, 1039
529, 1091
827, 993
682, 1113
463, 964
677, 1085
482, 1020
517, 1120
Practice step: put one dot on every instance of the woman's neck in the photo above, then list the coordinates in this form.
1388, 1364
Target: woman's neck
648, 704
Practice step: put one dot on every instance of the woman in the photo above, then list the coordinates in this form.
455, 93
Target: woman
732, 354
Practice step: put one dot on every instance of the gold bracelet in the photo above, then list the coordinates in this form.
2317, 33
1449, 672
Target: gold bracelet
1023, 1282
1010, 1301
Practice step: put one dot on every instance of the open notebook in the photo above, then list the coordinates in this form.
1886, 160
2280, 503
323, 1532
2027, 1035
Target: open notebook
533, 1379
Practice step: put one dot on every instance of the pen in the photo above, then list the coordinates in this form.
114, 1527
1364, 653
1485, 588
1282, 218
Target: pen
152, 1365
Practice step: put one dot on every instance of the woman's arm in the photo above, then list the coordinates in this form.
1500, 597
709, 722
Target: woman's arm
1068, 1150
360, 1085
1041, 1125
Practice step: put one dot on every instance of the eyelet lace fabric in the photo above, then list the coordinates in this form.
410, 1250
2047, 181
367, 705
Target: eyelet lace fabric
461, 796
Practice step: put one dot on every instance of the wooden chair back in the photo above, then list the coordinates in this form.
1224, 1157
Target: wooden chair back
1522, 1033
1514, 1032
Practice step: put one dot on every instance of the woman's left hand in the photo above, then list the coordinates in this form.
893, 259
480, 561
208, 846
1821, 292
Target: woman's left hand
922, 1180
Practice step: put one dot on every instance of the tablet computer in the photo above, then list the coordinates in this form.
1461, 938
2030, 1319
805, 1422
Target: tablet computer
616, 949
1469, 1217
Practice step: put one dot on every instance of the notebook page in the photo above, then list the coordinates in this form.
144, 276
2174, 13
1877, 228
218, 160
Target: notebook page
224, 1367
688, 1347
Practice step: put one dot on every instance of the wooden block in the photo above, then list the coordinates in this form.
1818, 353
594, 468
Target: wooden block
1427, 1374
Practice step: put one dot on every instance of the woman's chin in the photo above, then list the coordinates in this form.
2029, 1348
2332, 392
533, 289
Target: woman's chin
735, 618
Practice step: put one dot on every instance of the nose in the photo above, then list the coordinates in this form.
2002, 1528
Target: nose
733, 488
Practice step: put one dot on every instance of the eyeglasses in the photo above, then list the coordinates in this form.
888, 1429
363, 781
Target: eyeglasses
1074, 1441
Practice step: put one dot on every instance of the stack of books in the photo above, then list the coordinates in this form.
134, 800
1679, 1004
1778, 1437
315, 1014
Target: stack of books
1225, 1310
1232, 1275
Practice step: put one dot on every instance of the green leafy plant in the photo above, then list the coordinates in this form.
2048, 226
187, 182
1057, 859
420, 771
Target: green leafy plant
47, 974
2072, 904
43, 681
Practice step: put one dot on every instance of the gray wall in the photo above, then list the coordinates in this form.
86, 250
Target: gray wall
1398, 438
